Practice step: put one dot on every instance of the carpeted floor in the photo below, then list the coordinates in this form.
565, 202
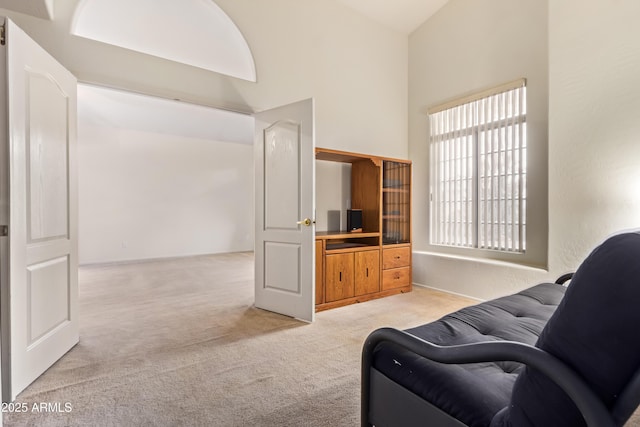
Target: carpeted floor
178, 342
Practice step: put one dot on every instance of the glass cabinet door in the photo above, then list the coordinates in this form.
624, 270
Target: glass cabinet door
396, 202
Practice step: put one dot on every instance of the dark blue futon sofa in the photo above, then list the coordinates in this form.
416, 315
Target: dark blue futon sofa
551, 355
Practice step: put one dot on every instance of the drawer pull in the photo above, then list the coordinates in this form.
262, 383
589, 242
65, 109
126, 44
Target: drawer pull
367, 271
396, 276
341, 276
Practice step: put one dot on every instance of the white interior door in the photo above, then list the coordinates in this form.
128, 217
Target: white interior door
285, 210
39, 296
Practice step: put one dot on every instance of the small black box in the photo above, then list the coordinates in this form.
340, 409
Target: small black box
354, 220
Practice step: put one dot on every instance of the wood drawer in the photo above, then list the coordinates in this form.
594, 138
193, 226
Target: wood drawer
396, 257
396, 278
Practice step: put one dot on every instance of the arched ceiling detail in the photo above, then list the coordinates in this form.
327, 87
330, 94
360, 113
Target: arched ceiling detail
193, 32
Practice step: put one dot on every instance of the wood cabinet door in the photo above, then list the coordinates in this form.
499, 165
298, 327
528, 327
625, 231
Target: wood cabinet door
339, 277
367, 272
319, 273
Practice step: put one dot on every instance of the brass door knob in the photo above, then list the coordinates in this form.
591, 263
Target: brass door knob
306, 221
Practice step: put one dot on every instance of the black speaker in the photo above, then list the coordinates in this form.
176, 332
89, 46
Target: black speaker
354, 220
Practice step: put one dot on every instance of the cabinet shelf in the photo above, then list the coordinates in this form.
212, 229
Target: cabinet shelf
326, 235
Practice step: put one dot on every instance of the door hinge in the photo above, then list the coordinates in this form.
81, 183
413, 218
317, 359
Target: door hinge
4, 230
2, 35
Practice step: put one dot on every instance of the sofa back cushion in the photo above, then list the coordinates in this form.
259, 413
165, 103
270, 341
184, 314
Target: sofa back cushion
594, 331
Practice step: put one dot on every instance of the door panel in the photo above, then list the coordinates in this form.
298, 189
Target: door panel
48, 290
282, 279
47, 147
285, 175
281, 168
39, 296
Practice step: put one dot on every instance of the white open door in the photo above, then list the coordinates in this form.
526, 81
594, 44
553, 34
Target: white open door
285, 210
39, 293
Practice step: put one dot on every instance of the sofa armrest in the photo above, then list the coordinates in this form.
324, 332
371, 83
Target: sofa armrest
564, 278
591, 407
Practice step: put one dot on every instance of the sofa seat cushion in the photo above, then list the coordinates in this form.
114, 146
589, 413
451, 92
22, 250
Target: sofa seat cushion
472, 393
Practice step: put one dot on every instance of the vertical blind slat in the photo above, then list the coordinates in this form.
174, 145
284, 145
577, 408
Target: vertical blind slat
512, 243
487, 172
501, 178
454, 176
435, 178
521, 171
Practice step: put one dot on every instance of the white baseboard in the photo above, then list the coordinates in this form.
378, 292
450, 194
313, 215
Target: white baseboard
448, 292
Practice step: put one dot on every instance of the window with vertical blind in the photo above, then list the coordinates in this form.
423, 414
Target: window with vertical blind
478, 147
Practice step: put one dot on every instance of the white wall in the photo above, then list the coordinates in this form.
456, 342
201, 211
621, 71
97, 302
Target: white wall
151, 195
333, 195
465, 47
594, 110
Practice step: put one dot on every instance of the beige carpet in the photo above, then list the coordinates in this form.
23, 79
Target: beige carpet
178, 343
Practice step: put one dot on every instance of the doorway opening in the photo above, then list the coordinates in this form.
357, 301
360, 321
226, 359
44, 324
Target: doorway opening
161, 178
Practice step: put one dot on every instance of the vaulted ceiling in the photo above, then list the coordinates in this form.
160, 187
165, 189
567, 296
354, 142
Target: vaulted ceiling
39, 8
192, 32
402, 15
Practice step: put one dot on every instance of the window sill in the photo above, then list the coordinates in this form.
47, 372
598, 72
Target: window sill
488, 261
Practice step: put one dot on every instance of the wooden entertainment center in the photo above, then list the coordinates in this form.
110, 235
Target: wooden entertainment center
375, 262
